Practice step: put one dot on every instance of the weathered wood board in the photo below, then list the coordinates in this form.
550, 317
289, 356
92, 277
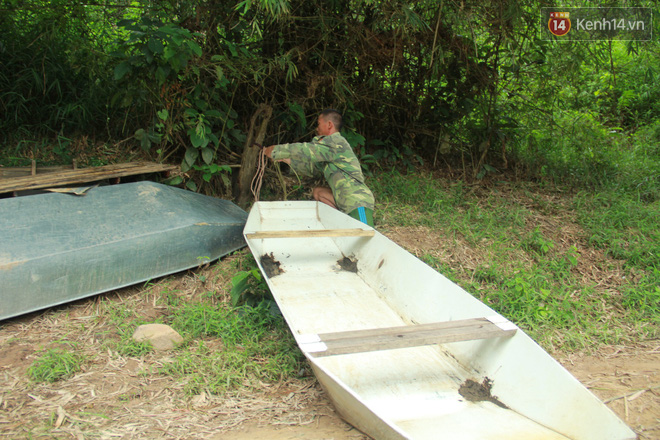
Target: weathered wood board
10, 182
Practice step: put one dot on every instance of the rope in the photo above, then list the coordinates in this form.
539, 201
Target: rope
258, 178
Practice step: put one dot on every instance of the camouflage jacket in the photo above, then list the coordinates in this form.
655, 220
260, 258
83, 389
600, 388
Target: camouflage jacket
332, 157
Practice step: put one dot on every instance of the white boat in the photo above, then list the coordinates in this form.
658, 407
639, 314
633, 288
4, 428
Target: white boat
404, 353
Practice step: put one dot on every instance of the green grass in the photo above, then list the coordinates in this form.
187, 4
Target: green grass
124, 320
256, 347
626, 228
642, 299
525, 270
56, 364
622, 224
256, 344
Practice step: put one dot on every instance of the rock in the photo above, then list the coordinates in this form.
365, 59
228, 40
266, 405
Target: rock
161, 336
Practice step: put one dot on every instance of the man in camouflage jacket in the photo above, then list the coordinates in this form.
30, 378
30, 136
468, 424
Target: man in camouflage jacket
331, 155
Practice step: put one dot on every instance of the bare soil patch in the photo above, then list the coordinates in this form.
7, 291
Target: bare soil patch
627, 379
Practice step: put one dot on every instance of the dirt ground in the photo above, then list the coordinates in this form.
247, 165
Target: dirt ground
627, 379
113, 397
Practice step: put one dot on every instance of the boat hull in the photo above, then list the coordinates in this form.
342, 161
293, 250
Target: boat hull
417, 390
56, 248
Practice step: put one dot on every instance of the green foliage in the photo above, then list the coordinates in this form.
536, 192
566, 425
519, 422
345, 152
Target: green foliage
583, 115
247, 287
52, 59
174, 65
387, 153
584, 152
164, 50
273, 8
56, 364
187, 111
535, 242
468, 86
250, 288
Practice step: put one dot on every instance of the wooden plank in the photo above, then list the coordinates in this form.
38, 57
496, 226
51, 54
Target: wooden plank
12, 172
360, 341
311, 233
81, 175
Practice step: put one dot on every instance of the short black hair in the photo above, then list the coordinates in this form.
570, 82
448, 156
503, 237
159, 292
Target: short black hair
334, 116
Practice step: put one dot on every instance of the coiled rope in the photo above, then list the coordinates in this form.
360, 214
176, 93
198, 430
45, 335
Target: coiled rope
258, 178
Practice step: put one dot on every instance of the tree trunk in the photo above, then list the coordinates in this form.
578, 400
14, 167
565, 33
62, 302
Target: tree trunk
256, 135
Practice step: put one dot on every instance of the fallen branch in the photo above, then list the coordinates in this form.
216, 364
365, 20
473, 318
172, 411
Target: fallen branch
632, 394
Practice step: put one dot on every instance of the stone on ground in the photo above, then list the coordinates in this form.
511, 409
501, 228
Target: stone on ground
161, 336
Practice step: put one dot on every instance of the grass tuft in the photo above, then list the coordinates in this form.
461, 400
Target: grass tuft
56, 364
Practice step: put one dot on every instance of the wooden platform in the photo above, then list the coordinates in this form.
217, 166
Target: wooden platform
21, 179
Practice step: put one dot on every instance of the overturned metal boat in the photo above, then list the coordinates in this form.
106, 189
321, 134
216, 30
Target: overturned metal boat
403, 352
58, 247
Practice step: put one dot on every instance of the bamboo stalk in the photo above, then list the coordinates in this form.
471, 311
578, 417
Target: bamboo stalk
80, 175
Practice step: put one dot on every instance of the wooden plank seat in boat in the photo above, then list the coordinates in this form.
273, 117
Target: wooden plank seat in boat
360, 341
312, 233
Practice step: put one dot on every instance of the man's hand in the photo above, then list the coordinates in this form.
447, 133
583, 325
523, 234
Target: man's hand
268, 151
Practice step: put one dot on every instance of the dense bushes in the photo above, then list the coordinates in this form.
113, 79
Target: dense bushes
467, 84
599, 119
54, 73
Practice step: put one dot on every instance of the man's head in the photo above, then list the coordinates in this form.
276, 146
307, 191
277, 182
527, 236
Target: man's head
329, 122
